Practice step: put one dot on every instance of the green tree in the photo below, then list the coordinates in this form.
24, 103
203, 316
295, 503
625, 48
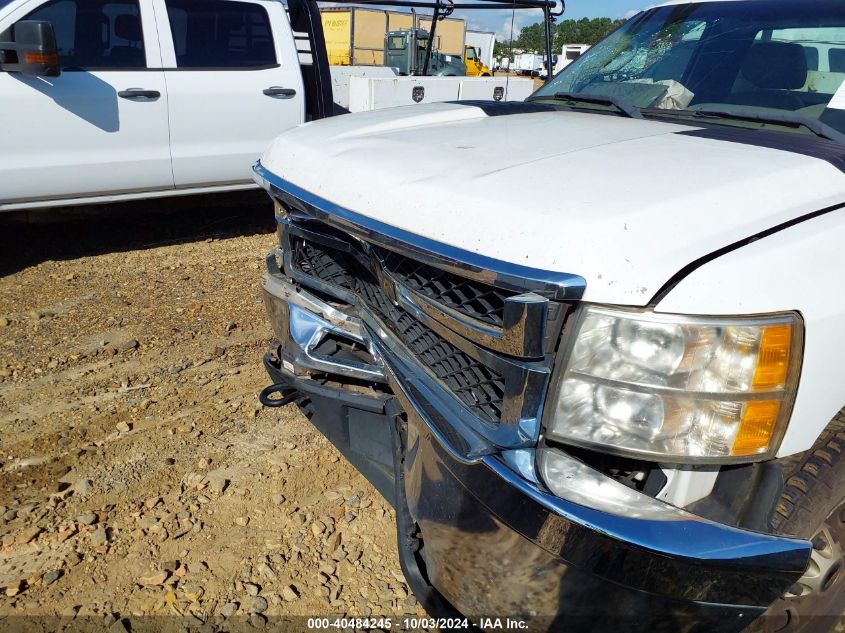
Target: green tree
503, 49
532, 38
584, 31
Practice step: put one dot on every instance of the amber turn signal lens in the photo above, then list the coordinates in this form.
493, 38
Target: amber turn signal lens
41, 58
756, 428
773, 357
759, 416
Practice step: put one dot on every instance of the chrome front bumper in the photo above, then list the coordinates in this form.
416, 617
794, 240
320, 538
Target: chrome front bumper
631, 540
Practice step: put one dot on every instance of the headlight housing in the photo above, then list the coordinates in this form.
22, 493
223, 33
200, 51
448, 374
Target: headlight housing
675, 388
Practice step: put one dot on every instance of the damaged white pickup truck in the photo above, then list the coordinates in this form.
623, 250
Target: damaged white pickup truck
610, 401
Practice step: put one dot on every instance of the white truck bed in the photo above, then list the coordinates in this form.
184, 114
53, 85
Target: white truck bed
378, 92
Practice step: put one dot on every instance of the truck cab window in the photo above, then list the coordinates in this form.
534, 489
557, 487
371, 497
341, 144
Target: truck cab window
836, 60
219, 34
95, 35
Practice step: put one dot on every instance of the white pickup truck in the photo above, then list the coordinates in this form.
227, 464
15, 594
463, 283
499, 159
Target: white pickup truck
153, 98
612, 401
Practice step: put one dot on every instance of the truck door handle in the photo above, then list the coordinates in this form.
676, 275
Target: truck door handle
278, 91
138, 93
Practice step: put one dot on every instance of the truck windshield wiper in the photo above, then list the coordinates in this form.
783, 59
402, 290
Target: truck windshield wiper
624, 107
822, 130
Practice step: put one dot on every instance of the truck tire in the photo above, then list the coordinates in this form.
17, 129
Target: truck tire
812, 506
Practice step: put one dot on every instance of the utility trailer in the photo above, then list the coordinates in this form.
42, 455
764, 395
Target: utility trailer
528, 64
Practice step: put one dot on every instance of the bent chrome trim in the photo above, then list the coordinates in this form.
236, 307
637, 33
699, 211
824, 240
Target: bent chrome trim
506, 275
524, 316
520, 423
302, 324
596, 501
587, 510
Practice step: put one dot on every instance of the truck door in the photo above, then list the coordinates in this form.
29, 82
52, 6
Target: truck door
398, 54
101, 127
234, 84
471, 60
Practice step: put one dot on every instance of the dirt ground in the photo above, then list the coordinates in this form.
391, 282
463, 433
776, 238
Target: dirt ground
140, 475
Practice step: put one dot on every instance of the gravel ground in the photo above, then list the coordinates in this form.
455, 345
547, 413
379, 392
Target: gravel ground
140, 476
142, 486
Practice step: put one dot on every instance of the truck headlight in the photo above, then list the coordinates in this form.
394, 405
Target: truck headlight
677, 388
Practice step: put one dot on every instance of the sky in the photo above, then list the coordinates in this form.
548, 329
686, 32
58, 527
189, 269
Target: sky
500, 21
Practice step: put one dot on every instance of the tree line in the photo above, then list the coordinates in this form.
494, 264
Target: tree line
584, 31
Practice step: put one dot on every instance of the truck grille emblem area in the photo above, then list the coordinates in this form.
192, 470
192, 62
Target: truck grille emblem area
478, 387
479, 345
477, 300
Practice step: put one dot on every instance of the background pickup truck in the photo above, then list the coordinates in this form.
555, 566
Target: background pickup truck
164, 97
155, 97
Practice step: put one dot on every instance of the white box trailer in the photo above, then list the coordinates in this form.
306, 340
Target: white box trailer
484, 41
376, 93
568, 54
527, 63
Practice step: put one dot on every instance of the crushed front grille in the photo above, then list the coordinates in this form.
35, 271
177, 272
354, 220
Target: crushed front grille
324, 264
480, 301
477, 386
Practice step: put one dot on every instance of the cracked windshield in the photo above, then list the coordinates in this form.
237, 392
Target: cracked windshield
779, 63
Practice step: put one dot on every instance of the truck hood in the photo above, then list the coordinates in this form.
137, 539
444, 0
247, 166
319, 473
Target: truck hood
624, 203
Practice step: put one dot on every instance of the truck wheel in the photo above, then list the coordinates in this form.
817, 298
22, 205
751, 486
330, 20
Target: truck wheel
812, 506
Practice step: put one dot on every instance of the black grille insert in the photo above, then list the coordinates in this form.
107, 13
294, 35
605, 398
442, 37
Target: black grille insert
476, 385
475, 299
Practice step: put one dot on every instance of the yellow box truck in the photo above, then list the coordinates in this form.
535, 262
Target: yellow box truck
355, 36
449, 37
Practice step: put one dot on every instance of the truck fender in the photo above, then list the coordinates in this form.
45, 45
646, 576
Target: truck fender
799, 268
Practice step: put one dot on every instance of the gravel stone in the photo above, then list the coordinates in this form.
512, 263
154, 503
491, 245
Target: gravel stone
259, 604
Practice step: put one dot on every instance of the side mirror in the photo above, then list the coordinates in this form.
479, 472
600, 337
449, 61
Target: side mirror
33, 50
